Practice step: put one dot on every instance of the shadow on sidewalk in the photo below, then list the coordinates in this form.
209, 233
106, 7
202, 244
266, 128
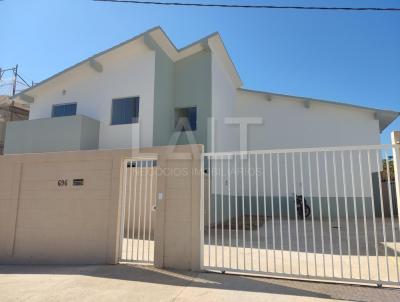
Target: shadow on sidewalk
149, 274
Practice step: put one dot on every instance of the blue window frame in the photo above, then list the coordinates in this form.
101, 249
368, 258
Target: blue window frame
64, 110
125, 111
186, 119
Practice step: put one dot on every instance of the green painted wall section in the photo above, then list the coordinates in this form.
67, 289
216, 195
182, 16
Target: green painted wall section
164, 95
193, 88
67, 133
185, 83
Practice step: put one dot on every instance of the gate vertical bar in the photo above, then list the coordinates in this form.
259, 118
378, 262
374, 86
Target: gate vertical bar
209, 208
265, 216
364, 214
391, 214
134, 211
123, 205
295, 211
355, 213
304, 211
374, 218
320, 216
329, 212
140, 207
382, 214
347, 214
215, 213
288, 216
258, 213
312, 211
129, 209
229, 210
251, 214
273, 212
222, 211
280, 209
236, 215
338, 213
145, 208
243, 216
150, 206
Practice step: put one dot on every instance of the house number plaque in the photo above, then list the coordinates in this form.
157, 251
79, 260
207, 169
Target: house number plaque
62, 182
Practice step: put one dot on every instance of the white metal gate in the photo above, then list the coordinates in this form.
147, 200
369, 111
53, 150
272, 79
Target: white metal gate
256, 203
139, 185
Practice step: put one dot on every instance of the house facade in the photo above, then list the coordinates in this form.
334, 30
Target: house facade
145, 92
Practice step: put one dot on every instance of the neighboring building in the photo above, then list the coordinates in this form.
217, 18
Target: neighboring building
10, 111
136, 94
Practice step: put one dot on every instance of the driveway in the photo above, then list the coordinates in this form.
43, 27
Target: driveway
127, 282
279, 246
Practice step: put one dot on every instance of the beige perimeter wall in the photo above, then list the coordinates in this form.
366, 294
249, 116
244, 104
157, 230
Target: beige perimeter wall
43, 222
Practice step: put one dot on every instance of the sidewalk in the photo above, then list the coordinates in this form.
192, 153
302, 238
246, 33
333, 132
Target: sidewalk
144, 283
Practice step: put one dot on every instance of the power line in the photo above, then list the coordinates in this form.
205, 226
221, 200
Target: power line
11, 78
220, 5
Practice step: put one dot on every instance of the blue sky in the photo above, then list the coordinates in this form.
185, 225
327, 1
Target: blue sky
352, 57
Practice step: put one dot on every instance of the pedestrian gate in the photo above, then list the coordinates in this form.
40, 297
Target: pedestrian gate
139, 184
320, 213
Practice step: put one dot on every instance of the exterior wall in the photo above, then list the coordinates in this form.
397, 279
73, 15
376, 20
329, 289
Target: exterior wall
141, 68
183, 211
138, 69
164, 97
10, 112
193, 88
288, 124
51, 135
2, 135
223, 106
89, 134
127, 71
42, 222
184, 83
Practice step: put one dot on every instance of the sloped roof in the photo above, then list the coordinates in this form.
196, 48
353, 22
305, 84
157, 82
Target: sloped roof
384, 116
160, 37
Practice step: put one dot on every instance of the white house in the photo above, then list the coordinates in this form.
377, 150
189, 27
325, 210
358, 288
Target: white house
145, 92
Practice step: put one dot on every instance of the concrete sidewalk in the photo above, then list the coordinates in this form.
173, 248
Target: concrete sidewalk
126, 282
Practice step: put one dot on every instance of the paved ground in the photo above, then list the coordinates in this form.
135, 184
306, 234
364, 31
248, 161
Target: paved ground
126, 282
349, 256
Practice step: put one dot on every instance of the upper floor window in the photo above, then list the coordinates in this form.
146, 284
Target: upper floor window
125, 111
64, 110
186, 119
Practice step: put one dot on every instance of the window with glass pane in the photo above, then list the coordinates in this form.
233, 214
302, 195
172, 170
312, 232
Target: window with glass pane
125, 111
64, 110
186, 119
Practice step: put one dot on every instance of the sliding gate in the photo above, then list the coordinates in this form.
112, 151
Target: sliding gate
326, 213
139, 184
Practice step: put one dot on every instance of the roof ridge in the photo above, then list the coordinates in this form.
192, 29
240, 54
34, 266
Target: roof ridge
111, 49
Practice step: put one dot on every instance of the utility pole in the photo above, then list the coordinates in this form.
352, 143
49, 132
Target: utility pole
14, 87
